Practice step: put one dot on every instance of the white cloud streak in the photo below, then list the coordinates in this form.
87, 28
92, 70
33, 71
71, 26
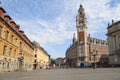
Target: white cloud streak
61, 28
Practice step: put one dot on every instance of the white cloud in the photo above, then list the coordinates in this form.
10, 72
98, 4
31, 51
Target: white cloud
46, 32
62, 27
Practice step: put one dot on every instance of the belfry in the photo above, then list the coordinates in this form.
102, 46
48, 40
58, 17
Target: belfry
80, 53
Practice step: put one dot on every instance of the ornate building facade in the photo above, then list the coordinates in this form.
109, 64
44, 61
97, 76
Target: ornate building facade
16, 51
114, 43
41, 57
82, 50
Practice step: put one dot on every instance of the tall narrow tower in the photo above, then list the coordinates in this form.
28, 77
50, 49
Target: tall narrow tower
81, 35
74, 39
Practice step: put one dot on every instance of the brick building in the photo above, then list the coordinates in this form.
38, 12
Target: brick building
81, 52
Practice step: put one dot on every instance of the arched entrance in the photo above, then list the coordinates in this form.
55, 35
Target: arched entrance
82, 65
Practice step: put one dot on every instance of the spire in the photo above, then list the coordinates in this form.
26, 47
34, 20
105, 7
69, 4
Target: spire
81, 10
81, 17
112, 21
81, 6
108, 24
0, 4
74, 38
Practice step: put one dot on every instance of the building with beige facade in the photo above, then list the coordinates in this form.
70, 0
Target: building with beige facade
86, 50
60, 62
16, 51
41, 57
114, 43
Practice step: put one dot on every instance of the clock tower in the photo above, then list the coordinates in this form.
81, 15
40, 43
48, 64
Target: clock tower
81, 35
81, 24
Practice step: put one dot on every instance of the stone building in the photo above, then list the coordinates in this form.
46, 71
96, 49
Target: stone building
16, 51
41, 57
81, 52
114, 43
60, 62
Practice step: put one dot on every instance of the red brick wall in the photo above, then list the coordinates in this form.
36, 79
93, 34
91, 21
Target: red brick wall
81, 36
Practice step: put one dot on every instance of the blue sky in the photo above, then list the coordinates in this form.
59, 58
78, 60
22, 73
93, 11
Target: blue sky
52, 22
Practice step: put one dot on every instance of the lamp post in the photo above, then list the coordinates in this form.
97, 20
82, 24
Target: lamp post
94, 56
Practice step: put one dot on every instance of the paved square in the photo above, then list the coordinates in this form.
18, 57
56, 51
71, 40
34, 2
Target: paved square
64, 74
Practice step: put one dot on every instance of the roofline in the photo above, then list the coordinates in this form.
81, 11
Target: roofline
17, 33
113, 24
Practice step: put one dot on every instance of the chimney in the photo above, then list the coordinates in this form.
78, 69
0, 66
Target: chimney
17, 27
13, 24
7, 17
21, 32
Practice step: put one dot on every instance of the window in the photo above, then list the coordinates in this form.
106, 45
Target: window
0, 30
15, 41
35, 50
14, 53
11, 38
4, 49
10, 51
35, 55
80, 12
20, 44
119, 42
114, 42
6, 36
35, 61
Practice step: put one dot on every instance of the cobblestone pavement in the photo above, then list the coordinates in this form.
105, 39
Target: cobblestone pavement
64, 74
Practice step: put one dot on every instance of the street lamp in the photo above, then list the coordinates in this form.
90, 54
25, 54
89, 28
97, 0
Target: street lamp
94, 56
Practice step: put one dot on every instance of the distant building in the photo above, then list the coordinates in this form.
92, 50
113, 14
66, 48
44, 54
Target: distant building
80, 52
60, 62
114, 43
41, 57
16, 49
